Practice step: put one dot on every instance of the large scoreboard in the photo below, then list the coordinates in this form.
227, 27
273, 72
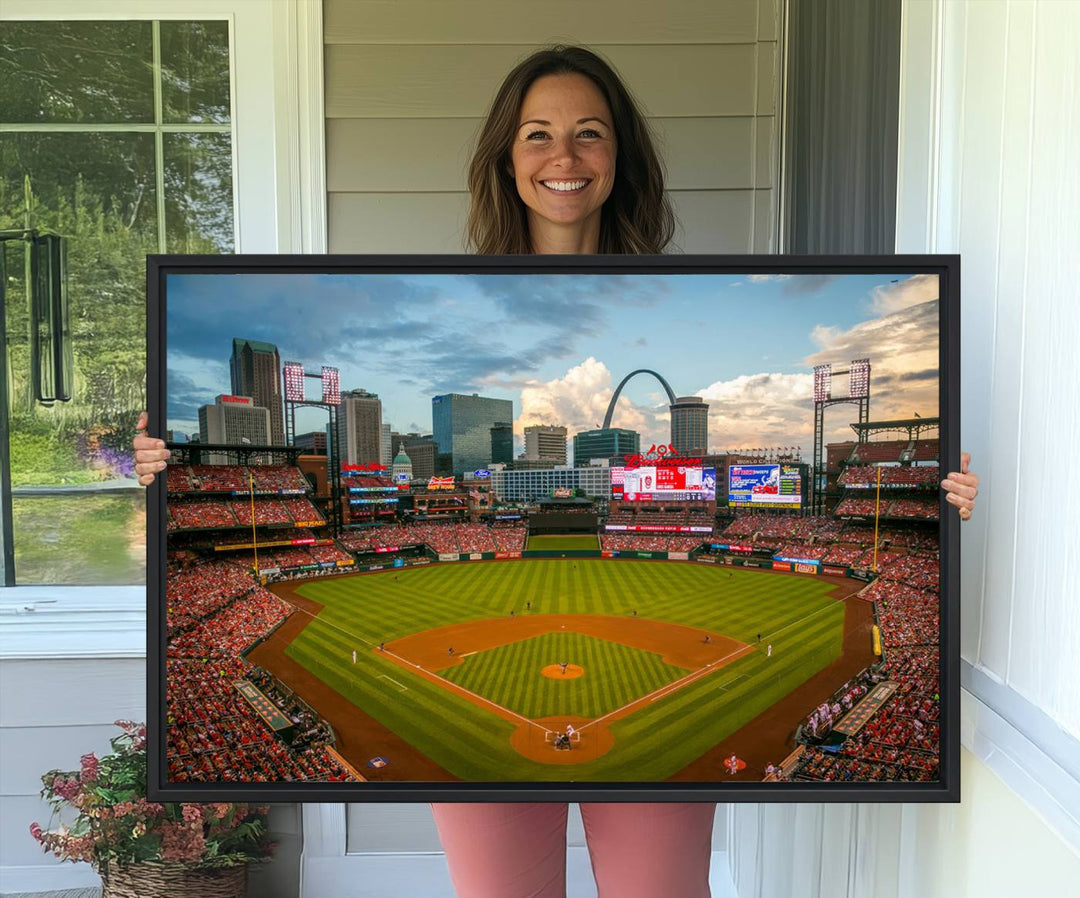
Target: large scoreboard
766, 486
663, 483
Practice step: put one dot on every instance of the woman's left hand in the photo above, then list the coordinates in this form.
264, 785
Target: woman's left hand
961, 487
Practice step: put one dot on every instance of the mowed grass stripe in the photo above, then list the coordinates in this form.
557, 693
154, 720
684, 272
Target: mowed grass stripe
512, 676
462, 737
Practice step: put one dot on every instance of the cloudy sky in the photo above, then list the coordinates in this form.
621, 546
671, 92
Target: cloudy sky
558, 345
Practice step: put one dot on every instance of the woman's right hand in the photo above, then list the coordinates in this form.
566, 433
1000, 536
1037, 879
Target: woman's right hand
150, 454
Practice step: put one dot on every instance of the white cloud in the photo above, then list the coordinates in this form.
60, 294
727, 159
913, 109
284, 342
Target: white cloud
762, 278
579, 399
768, 409
896, 297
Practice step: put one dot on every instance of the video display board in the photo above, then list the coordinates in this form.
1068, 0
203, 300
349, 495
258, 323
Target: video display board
769, 486
663, 483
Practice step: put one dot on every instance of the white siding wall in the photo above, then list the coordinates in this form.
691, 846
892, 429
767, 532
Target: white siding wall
989, 142
408, 82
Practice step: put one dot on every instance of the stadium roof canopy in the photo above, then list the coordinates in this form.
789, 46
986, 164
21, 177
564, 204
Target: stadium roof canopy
914, 427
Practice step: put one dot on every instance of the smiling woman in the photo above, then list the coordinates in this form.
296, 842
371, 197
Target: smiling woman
563, 117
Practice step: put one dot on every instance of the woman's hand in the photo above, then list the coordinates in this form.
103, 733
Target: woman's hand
961, 487
150, 454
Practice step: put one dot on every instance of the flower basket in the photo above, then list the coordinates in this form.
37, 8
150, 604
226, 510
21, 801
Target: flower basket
164, 880
143, 848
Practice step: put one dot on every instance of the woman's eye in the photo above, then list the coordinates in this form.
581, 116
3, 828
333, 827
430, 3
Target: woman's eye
589, 132
536, 135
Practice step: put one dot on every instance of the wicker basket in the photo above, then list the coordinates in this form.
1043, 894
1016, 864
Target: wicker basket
174, 881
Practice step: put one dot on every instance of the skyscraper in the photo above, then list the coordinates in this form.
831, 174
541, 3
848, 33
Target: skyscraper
610, 443
543, 441
360, 430
463, 425
502, 443
255, 369
235, 421
690, 425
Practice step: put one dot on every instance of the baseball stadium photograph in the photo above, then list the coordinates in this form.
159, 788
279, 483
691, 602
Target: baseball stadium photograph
551, 528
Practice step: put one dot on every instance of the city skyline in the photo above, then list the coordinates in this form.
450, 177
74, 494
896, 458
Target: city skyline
557, 345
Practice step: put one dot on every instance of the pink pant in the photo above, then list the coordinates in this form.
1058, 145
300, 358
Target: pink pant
519, 850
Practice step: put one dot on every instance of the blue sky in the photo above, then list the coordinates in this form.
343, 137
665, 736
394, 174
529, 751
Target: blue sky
557, 345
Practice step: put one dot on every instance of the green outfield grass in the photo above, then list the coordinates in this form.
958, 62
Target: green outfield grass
615, 675
804, 626
562, 543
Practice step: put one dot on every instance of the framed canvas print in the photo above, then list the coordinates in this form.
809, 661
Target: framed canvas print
461, 528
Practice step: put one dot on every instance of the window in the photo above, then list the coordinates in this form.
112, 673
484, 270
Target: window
118, 136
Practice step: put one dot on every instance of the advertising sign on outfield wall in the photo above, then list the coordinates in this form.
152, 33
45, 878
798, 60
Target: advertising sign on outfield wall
678, 556
448, 556
835, 571
781, 566
803, 568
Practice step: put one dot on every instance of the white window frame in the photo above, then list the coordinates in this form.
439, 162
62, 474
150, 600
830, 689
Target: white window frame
1010, 734
279, 199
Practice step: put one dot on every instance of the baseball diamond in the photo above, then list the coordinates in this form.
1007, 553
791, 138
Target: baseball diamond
650, 699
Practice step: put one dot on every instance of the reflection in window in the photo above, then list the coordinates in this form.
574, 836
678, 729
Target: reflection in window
147, 168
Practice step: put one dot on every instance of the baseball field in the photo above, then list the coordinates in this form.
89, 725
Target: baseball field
469, 671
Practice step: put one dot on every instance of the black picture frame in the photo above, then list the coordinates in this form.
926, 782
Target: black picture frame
946, 789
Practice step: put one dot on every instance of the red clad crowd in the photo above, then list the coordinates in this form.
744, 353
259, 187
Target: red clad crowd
891, 475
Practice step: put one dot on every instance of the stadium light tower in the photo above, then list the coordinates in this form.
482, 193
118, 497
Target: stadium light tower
858, 372
330, 399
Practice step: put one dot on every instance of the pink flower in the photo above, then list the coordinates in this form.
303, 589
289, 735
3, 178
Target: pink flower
181, 842
89, 767
36, 832
192, 813
65, 788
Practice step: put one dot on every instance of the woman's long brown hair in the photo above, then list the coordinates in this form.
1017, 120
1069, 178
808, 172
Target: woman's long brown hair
637, 216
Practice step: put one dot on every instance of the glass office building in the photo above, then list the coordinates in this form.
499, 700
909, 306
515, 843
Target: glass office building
612, 443
463, 428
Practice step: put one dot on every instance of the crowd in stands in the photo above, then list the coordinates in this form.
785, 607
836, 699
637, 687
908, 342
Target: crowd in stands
782, 527
861, 507
917, 540
802, 550
926, 509
202, 514
194, 592
914, 508
198, 515
267, 512
302, 509
227, 478
891, 475
868, 559
233, 628
920, 571
278, 477
220, 478
444, 538
640, 542
213, 734
842, 555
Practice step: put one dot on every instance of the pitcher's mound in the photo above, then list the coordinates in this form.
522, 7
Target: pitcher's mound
555, 671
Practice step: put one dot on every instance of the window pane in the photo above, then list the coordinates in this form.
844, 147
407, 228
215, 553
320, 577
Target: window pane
195, 72
98, 191
76, 72
83, 539
198, 193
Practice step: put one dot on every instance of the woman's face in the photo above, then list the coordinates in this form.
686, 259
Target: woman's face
563, 155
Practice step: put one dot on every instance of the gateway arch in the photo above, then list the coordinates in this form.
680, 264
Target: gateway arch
689, 416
